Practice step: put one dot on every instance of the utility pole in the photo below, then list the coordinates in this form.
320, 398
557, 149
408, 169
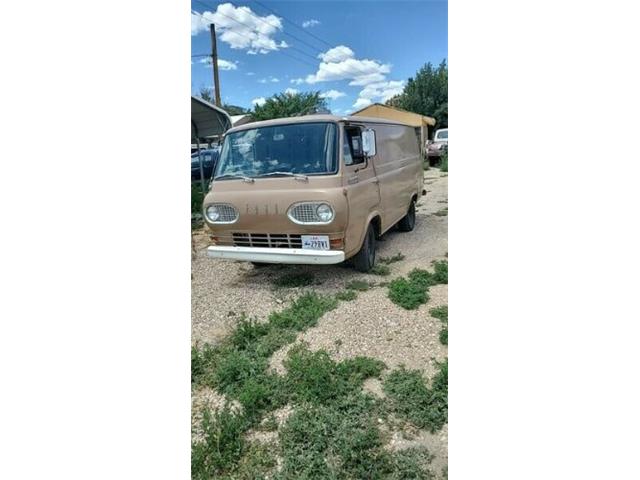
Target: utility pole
214, 62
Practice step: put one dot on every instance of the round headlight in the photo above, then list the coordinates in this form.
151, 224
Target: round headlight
213, 213
324, 212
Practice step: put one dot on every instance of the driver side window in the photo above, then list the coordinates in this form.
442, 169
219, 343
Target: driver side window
352, 150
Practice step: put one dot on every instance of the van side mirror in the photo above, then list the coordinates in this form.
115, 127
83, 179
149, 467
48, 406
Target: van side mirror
369, 142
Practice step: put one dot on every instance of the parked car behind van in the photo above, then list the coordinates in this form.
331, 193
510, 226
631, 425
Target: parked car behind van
439, 145
209, 159
317, 189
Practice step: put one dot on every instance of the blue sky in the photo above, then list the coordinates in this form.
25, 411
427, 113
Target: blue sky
364, 51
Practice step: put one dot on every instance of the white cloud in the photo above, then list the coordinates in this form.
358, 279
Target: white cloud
332, 94
378, 92
336, 54
291, 91
240, 28
250, 73
361, 103
269, 79
258, 101
222, 64
227, 65
310, 23
339, 63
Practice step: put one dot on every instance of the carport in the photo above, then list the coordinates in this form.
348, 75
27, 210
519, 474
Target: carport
208, 122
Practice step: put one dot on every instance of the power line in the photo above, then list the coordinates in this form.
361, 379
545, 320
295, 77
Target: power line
245, 36
294, 24
357, 67
271, 25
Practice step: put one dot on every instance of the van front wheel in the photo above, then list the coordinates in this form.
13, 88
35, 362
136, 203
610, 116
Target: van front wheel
409, 220
365, 259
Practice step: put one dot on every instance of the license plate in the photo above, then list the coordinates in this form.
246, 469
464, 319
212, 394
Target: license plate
315, 242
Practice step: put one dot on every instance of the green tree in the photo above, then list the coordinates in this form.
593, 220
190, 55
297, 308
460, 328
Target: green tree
427, 93
207, 95
289, 105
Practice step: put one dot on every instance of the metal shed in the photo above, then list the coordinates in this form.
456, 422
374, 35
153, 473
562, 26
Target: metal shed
420, 122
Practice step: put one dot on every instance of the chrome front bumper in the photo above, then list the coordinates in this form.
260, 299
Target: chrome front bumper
277, 255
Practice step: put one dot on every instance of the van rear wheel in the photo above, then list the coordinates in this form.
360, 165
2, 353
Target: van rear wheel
409, 220
365, 259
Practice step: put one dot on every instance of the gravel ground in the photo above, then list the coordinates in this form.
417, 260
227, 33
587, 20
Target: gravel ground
369, 325
222, 290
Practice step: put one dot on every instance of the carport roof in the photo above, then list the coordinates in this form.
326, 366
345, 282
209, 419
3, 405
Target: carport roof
207, 120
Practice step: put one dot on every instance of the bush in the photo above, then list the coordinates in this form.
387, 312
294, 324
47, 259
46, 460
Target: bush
444, 161
197, 197
407, 294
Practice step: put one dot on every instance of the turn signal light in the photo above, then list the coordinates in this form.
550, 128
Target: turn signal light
336, 244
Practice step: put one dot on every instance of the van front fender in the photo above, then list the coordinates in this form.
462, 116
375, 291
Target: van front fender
371, 218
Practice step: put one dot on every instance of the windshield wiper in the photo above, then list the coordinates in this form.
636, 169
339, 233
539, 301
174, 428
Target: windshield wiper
297, 176
230, 175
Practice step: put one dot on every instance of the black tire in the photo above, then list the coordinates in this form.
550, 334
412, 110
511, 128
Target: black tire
365, 259
409, 220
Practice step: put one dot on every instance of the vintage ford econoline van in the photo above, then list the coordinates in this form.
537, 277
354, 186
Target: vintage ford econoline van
317, 189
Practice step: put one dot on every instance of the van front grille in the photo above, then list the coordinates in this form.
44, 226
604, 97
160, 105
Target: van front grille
267, 240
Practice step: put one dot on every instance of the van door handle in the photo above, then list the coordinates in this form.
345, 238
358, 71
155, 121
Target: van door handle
376, 181
353, 180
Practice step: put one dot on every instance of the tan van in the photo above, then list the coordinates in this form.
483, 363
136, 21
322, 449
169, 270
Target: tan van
316, 189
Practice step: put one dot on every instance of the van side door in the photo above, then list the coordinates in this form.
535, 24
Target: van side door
360, 183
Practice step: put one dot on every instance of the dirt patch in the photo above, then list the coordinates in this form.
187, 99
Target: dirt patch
371, 325
435, 443
373, 386
205, 398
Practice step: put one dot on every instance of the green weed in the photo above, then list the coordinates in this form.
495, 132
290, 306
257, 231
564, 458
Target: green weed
407, 294
333, 432
314, 377
380, 269
359, 285
442, 314
222, 447
412, 399
412, 292
347, 295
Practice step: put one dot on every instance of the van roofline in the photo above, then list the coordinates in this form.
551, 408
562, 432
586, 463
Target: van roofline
314, 119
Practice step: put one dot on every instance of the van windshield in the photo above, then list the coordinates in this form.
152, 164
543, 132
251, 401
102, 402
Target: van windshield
299, 148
